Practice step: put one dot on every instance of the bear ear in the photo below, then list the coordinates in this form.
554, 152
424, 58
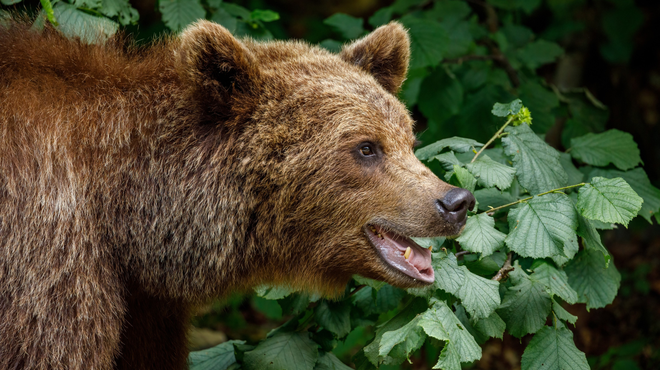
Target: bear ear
214, 64
384, 53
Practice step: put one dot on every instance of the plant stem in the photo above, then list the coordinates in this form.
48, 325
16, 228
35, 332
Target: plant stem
493, 138
491, 211
504, 271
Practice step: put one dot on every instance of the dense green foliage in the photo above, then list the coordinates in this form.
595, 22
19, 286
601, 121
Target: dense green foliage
531, 247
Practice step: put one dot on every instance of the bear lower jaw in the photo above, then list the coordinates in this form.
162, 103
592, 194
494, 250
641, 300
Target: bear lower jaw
402, 254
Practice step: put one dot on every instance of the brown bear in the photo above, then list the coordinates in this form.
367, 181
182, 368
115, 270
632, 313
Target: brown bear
135, 182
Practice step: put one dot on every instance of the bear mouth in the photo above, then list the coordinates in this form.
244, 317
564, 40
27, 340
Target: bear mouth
402, 253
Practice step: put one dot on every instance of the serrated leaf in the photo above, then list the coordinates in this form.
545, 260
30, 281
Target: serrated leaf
439, 316
121, 9
457, 144
492, 326
75, 23
491, 198
465, 179
537, 164
218, 357
562, 314
177, 14
334, 317
490, 173
347, 26
447, 160
556, 281
448, 275
543, 227
553, 349
407, 339
609, 200
479, 296
328, 361
286, 350
591, 237
449, 358
639, 181
428, 41
503, 110
595, 284
526, 304
480, 235
612, 146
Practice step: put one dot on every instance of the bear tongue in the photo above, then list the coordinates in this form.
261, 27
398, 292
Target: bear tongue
393, 247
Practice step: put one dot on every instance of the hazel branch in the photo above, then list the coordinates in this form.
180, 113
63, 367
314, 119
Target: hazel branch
558, 190
493, 138
504, 271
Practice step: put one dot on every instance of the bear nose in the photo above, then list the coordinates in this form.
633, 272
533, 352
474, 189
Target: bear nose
455, 204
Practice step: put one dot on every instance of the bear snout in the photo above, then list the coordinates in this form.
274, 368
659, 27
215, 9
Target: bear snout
454, 205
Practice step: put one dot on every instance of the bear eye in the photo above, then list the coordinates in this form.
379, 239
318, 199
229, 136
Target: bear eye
367, 150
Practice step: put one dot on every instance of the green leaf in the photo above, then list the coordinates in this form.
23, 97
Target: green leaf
639, 181
218, 357
465, 179
440, 322
526, 304
264, 15
541, 102
347, 26
448, 276
562, 314
287, 350
553, 349
595, 284
457, 144
334, 316
492, 326
440, 96
480, 235
492, 197
503, 110
543, 227
403, 341
177, 14
10, 2
538, 53
381, 17
272, 292
609, 200
75, 23
537, 164
376, 284
460, 38
591, 238
226, 20
428, 41
447, 160
121, 9
556, 281
237, 11
490, 173
48, 9
612, 146
480, 296
574, 175
328, 361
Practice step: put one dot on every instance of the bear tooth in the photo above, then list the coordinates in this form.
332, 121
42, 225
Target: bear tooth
407, 254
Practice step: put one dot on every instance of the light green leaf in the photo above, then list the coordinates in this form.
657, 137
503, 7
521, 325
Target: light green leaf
526, 304
555, 281
10, 2
347, 26
490, 173
428, 41
538, 53
264, 15
434, 243
609, 200
328, 361
562, 314
553, 349
218, 357
448, 276
448, 160
492, 326
177, 14
639, 181
591, 237
457, 144
543, 227
334, 316
491, 198
480, 235
465, 179
407, 339
439, 314
503, 110
595, 284
273, 293
480, 296
537, 164
121, 9
376, 284
612, 146
286, 350
75, 23
449, 358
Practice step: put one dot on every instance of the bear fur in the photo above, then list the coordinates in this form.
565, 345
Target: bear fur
136, 182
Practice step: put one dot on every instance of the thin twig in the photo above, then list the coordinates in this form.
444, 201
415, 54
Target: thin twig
492, 138
504, 271
493, 210
461, 253
357, 289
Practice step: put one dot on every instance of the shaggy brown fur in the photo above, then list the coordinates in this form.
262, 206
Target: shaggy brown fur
136, 182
